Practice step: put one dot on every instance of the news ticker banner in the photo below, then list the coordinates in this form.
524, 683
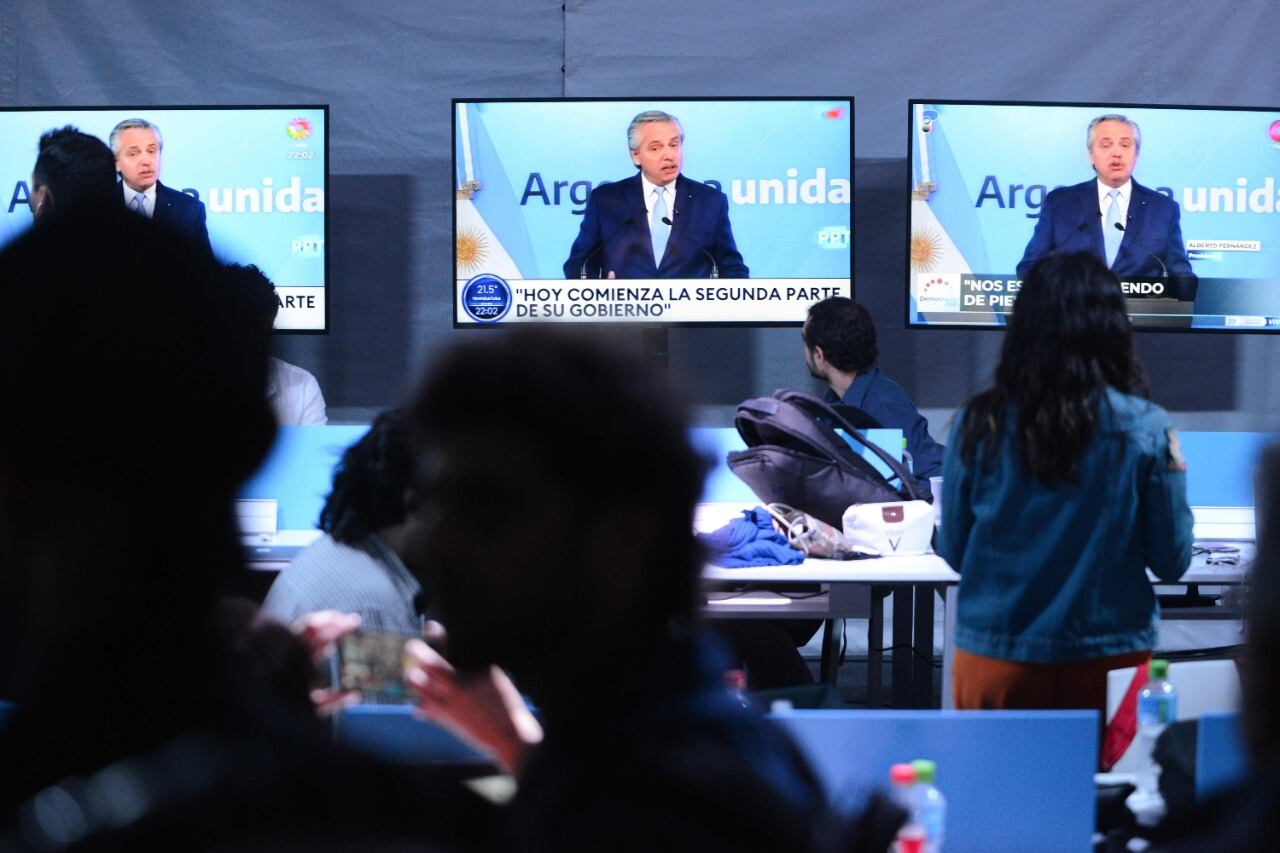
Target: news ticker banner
259, 172
1209, 303
981, 173
524, 172
487, 299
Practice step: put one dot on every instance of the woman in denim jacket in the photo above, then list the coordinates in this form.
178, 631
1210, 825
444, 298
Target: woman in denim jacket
1062, 485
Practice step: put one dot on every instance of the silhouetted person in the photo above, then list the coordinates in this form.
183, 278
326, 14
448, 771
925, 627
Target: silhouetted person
1242, 818
72, 169
137, 409
559, 486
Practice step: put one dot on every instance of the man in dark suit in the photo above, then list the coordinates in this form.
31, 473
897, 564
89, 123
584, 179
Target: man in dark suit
1148, 240
137, 145
657, 224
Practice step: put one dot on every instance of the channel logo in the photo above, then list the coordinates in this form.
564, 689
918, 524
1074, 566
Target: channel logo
298, 129
308, 245
834, 237
486, 298
938, 291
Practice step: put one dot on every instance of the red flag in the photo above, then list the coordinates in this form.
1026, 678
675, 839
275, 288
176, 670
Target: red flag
1124, 725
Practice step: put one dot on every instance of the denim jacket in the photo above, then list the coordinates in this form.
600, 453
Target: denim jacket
1054, 574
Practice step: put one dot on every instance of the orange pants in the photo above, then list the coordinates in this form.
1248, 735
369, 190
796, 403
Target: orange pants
983, 683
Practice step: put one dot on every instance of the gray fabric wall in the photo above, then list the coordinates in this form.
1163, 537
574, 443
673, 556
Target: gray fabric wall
388, 70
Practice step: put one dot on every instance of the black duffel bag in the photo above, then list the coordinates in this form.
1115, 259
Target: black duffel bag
795, 456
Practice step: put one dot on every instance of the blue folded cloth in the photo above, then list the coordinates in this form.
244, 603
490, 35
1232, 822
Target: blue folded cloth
749, 541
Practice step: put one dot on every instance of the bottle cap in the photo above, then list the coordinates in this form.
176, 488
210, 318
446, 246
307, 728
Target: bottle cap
1158, 668
925, 770
902, 774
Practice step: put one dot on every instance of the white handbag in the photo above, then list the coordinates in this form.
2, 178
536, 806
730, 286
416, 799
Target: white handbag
903, 528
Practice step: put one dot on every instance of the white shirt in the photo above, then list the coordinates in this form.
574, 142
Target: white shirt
668, 195
294, 395
149, 192
1104, 199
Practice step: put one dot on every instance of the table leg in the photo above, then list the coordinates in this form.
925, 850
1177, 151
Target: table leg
949, 596
922, 649
875, 647
903, 632
830, 665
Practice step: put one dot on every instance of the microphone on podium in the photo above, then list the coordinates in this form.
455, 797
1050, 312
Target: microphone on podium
1164, 271
626, 223
715, 268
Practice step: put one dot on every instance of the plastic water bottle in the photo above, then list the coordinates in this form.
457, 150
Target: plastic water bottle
910, 838
1157, 708
930, 805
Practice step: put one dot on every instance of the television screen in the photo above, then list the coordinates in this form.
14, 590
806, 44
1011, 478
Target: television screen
260, 174
1192, 232
556, 217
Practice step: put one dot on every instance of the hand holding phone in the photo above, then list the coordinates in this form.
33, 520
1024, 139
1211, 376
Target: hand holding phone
375, 665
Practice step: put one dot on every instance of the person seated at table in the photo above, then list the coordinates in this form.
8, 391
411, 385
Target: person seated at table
137, 726
582, 581
362, 563
840, 348
292, 391
1062, 485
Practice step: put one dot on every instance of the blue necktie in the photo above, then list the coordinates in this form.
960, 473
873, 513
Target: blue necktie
140, 205
659, 230
1111, 235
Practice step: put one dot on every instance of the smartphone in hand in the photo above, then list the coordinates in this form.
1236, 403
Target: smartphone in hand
375, 664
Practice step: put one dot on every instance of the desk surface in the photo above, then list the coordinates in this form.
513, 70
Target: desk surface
927, 568
1227, 522
1202, 571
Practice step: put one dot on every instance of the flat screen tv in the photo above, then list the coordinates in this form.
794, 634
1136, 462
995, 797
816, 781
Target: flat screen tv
261, 173
552, 221
1194, 234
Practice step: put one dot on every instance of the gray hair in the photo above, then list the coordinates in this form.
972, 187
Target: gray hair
1089, 134
130, 124
649, 117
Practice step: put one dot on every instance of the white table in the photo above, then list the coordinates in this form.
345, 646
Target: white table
850, 584
913, 581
